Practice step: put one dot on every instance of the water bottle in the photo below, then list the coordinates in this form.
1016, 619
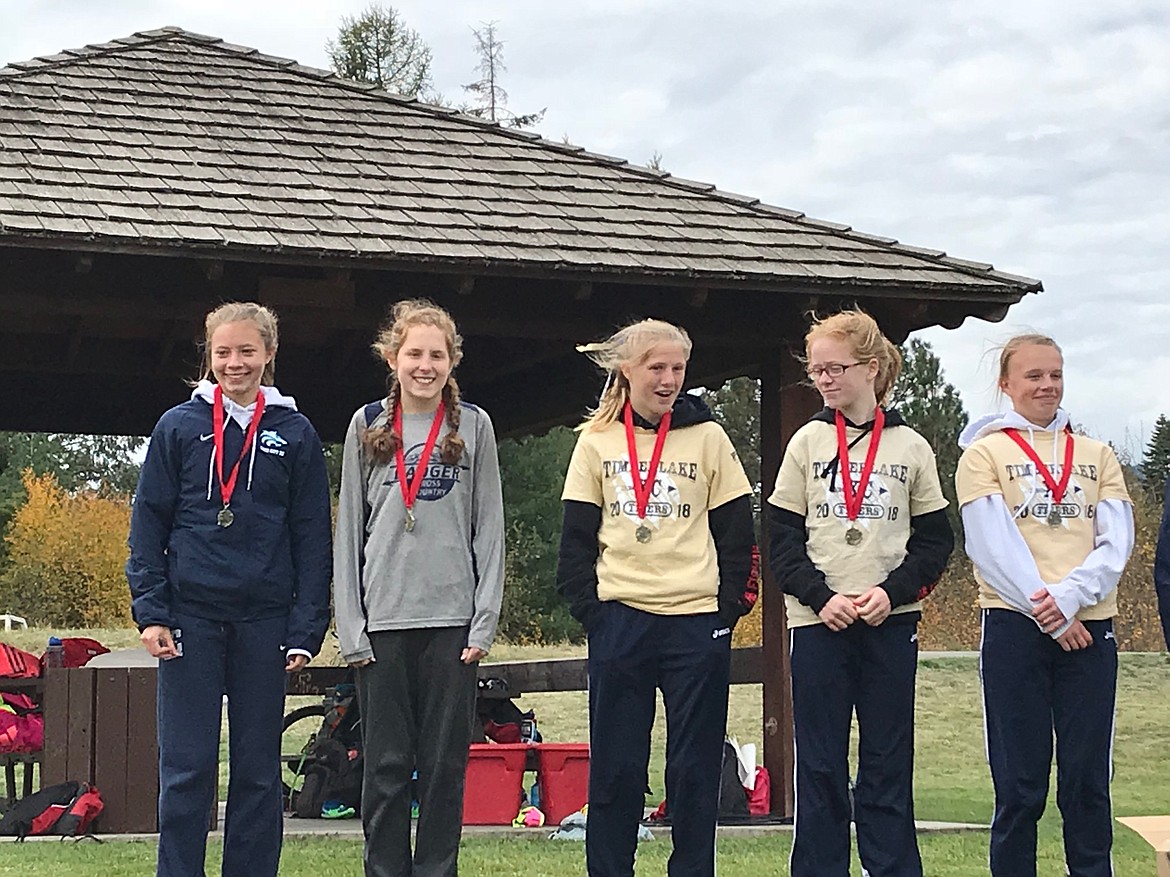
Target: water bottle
55, 653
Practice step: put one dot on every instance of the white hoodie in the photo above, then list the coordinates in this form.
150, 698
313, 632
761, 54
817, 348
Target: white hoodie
1002, 556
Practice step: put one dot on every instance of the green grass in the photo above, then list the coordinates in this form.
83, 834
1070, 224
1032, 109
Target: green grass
952, 784
944, 855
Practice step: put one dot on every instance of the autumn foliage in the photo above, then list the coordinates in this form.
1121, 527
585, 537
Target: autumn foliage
66, 557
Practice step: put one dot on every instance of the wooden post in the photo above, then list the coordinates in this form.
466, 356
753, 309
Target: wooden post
785, 405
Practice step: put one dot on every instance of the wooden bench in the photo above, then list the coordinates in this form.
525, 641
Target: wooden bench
100, 728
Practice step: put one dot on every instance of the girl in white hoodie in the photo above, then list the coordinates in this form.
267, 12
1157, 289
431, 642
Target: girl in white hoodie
1049, 528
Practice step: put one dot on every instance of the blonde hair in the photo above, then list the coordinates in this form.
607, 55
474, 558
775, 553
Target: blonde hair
629, 345
860, 331
240, 312
382, 442
1012, 345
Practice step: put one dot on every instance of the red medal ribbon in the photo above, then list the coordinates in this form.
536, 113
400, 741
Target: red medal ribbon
1056, 489
227, 488
409, 492
853, 498
642, 488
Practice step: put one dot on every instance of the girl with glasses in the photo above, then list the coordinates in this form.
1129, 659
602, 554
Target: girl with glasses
858, 536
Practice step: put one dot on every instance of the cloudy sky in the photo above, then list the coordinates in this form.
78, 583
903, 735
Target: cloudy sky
1033, 134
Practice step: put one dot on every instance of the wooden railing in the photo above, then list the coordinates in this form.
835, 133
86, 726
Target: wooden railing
531, 677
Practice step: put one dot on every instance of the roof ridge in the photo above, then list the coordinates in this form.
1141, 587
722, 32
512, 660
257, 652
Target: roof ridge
708, 190
72, 56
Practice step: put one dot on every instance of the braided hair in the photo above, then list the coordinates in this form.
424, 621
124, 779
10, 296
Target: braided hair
382, 442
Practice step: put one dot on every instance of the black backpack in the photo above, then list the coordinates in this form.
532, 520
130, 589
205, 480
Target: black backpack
732, 796
332, 773
64, 809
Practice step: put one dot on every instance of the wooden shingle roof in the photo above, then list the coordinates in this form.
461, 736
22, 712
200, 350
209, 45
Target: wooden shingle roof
171, 141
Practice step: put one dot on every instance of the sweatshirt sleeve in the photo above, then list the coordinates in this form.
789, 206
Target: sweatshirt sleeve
488, 538
996, 547
794, 572
310, 527
349, 552
1099, 573
155, 501
1162, 567
577, 560
927, 551
739, 560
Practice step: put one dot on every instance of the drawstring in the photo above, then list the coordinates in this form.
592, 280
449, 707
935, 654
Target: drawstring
1037, 478
830, 466
252, 461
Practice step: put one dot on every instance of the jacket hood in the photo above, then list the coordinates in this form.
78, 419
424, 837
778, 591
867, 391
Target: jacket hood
687, 410
998, 422
829, 415
205, 390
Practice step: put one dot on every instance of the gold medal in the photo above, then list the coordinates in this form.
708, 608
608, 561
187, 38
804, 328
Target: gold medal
643, 534
853, 536
1054, 517
410, 520
225, 517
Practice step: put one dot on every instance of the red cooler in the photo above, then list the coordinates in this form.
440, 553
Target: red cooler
494, 784
564, 779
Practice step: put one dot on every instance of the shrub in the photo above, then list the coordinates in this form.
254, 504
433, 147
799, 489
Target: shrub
66, 557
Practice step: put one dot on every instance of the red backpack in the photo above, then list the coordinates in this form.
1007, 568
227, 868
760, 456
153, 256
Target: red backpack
66, 809
17, 664
76, 651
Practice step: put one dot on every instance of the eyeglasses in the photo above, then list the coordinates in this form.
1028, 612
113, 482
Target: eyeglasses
833, 369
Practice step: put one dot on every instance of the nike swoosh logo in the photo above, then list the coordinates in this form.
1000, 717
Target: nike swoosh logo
207, 437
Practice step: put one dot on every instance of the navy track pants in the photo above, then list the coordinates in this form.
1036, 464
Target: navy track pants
872, 670
244, 660
1033, 689
631, 653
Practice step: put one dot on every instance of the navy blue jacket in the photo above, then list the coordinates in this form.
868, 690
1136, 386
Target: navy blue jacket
275, 558
1162, 568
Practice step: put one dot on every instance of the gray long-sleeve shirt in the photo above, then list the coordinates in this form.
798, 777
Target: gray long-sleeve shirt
449, 570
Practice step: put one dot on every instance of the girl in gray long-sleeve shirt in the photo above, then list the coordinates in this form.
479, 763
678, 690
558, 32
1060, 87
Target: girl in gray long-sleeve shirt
418, 578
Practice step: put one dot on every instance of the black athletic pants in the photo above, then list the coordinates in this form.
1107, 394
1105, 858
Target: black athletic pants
872, 670
417, 704
1032, 689
631, 653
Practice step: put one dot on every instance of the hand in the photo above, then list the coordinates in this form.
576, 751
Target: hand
158, 641
1076, 637
364, 662
1046, 612
838, 613
471, 655
873, 607
296, 663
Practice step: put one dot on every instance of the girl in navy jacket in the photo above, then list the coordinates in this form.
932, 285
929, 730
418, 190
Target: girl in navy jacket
229, 572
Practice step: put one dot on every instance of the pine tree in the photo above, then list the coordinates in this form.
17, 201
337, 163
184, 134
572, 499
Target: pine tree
935, 410
379, 48
1156, 461
491, 100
